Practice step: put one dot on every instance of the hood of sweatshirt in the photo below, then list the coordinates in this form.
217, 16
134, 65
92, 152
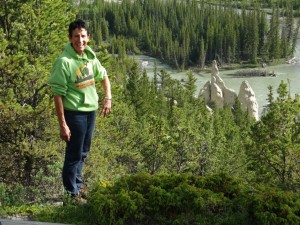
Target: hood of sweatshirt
89, 54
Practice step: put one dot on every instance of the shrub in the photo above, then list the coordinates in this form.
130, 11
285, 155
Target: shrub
12, 195
272, 206
46, 187
174, 199
169, 199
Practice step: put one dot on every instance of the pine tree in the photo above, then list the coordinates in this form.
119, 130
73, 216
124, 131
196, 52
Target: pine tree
273, 36
274, 151
262, 30
34, 34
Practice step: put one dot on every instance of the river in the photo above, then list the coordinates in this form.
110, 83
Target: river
289, 73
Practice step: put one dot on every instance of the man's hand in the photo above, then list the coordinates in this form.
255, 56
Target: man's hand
106, 104
65, 133
106, 107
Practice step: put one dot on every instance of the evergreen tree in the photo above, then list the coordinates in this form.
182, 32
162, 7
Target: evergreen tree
228, 145
273, 36
34, 34
295, 37
274, 151
253, 47
262, 31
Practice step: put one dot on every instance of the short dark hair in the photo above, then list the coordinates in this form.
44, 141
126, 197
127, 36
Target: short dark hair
78, 23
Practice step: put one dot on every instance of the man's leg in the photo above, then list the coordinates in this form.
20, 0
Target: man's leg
77, 122
91, 120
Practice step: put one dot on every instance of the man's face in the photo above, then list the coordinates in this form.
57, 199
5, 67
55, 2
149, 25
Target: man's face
79, 40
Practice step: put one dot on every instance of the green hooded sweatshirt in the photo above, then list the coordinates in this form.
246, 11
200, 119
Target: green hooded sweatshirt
74, 78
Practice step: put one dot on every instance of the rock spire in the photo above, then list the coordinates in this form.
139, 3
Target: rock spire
215, 91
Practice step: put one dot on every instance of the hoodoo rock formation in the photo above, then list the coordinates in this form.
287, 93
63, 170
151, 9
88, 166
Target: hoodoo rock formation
215, 91
247, 99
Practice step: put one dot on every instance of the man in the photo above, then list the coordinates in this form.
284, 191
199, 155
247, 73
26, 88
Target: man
73, 78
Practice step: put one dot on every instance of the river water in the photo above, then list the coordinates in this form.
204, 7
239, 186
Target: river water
289, 73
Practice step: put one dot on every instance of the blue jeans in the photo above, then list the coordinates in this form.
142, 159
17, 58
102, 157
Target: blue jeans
81, 125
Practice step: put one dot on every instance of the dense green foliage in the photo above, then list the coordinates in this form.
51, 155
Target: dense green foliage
275, 142
157, 126
188, 199
170, 199
192, 33
30, 33
177, 199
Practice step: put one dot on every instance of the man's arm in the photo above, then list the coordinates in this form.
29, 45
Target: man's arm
106, 106
65, 133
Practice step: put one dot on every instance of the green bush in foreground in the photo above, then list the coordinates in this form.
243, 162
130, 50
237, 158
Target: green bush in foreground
165, 199
174, 199
270, 206
189, 199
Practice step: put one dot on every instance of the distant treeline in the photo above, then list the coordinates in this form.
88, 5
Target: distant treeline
295, 4
192, 33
